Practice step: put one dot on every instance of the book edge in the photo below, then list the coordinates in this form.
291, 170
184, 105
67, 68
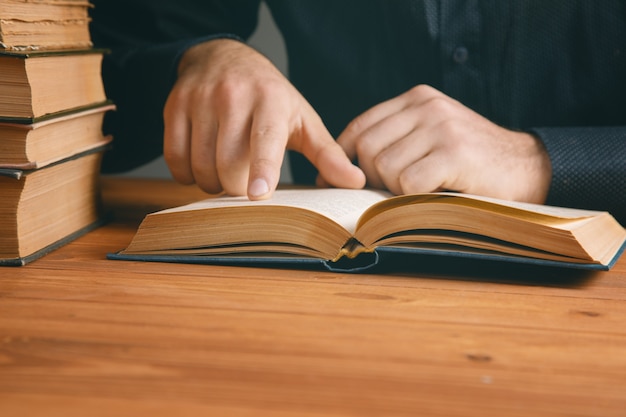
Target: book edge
17, 173
25, 54
378, 260
62, 113
37, 165
24, 260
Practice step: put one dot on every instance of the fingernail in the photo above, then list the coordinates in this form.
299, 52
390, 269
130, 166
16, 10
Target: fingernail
259, 188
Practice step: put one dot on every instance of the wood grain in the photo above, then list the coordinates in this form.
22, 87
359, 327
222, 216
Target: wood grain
84, 336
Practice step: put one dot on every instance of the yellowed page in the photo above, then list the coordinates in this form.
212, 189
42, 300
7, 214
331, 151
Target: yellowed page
341, 205
563, 212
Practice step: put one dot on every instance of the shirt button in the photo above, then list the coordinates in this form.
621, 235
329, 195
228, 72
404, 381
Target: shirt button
460, 55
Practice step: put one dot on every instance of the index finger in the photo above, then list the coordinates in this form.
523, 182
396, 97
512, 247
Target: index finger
268, 139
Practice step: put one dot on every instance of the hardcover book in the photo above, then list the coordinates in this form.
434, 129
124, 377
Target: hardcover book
43, 209
339, 229
31, 25
39, 84
35, 145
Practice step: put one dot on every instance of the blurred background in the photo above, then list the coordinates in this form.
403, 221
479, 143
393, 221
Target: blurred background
269, 41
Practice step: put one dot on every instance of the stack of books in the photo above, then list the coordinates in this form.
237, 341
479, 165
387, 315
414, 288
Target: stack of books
52, 104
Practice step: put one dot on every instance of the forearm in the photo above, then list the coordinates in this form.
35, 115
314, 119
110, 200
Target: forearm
588, 167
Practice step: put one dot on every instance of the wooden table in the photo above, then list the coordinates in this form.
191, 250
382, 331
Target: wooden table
84, 336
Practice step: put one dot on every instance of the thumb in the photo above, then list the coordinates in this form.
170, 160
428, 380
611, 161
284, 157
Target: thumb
336, 169
319, 147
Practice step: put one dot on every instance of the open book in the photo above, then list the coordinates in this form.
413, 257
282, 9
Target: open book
329, 226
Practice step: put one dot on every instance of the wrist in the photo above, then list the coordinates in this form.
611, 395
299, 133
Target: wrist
206, 48
539, 169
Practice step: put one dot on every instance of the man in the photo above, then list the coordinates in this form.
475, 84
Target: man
522, 100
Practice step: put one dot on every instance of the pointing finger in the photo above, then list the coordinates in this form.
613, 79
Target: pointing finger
268, 138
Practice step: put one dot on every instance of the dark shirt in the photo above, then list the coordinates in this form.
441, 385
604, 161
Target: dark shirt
550, 67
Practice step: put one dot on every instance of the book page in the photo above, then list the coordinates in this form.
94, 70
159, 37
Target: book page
341, 205
537, 213
563, 212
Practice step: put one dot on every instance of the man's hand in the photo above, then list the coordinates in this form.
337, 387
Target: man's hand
424, 141
230, 117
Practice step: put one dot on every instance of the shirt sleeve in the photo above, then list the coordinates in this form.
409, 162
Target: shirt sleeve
588, 167
145, 40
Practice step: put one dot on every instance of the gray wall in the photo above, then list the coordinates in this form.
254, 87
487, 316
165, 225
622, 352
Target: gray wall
266, 39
